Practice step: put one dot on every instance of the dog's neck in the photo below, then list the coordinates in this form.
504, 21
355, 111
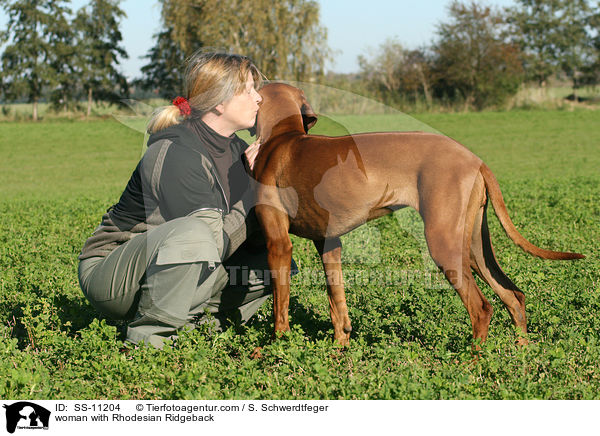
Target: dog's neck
288, 126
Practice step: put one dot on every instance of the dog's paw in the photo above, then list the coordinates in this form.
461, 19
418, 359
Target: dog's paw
342, 340
257, 353
522, 341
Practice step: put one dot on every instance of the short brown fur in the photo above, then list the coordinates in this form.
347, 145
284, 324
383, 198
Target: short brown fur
320, 188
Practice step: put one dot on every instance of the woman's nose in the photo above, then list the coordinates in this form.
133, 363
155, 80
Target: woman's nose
257, 97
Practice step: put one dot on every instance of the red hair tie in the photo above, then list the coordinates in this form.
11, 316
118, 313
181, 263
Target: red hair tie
183, 105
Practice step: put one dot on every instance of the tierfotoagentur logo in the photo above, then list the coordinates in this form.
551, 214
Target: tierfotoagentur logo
27, 416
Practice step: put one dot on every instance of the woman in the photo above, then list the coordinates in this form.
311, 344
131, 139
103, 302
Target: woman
160, 255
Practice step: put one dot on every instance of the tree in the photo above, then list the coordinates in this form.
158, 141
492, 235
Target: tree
383, 69
164, 71
98, 51
472, 61
535, 28
35, 30
394, 71
283, 37
592, 71
576, 44
64, 81
416, 74
555, 35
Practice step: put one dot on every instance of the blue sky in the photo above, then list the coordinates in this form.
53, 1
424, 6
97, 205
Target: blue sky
354, 26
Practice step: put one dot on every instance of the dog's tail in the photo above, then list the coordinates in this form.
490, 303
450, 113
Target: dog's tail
495, 195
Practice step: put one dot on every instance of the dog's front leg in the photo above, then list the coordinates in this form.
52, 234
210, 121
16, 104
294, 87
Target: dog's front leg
330, 251
275, 225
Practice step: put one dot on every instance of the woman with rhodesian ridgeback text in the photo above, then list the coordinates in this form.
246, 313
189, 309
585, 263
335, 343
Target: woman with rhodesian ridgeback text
176, 245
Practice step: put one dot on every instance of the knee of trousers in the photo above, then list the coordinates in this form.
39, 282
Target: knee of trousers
188, 240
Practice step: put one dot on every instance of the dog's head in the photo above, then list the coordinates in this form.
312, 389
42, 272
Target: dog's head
283, 106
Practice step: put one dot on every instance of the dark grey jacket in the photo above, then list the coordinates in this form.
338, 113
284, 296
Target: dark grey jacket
176, 177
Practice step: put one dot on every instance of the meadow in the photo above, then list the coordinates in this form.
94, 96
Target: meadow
411, 337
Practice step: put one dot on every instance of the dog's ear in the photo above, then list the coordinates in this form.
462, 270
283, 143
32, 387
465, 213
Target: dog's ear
309, 118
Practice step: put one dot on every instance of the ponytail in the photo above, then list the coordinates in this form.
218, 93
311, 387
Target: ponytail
164, 117
169, 115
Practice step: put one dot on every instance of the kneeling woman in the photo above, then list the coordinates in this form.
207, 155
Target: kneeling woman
160, 255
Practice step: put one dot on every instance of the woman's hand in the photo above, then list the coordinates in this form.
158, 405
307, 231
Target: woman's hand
251, 153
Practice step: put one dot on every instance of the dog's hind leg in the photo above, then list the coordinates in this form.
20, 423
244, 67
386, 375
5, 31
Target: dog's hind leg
458, 272
449, 241
484, 262
330, 251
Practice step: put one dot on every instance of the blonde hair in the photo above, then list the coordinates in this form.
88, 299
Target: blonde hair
210, 79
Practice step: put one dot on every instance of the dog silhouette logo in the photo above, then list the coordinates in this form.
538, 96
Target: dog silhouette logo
26, 415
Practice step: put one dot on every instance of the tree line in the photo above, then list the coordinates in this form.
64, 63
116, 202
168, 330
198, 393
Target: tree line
479, 58
53, 53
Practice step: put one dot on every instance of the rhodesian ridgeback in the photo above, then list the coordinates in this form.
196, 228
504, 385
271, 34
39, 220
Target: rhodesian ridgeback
321, 187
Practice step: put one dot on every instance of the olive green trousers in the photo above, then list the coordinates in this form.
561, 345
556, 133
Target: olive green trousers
169, 277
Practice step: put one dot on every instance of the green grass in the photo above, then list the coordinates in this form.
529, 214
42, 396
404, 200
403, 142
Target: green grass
410, 340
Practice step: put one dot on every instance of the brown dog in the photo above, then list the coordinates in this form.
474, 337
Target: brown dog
320, 188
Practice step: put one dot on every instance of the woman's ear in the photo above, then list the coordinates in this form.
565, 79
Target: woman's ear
219, 109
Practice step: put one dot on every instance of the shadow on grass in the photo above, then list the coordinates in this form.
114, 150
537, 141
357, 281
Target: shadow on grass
306, 318
68, 314
430, 331
45, 314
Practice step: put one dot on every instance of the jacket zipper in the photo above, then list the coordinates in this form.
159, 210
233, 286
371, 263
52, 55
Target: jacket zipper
222, 192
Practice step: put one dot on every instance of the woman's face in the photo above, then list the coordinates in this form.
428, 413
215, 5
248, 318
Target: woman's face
240, 110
